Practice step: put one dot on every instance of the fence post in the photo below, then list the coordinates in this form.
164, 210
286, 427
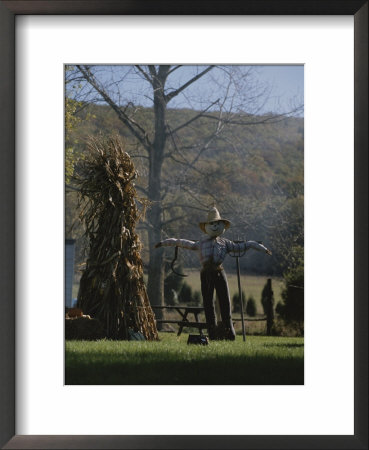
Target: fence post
270, 308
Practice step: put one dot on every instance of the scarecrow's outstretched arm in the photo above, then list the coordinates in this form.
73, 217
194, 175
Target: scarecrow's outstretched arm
258, 246
246, 245
183, 243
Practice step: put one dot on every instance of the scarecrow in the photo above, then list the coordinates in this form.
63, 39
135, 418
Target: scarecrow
212, 249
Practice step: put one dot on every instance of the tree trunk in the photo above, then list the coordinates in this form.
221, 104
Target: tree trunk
155, 284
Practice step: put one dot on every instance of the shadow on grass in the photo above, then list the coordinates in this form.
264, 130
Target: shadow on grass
222, 370
285, 345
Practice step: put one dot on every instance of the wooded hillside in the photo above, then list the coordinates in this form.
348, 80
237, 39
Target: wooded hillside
254, 173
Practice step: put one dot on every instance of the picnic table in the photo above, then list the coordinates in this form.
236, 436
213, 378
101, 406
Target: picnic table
183, 320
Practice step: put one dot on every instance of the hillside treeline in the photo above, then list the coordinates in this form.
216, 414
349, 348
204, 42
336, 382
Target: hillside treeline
254, 174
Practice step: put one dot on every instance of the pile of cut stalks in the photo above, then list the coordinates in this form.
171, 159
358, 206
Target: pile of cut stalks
112, 287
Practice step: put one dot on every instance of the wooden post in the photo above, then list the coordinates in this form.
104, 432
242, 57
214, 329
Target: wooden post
241, 299
270, 308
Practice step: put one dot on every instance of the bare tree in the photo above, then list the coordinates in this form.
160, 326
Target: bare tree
232, 96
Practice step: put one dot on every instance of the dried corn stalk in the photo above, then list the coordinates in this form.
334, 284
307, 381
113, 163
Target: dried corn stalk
112, 287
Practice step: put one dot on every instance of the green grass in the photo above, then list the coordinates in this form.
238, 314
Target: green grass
260, 361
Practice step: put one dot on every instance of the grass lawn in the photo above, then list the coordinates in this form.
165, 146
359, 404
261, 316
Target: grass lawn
261, 360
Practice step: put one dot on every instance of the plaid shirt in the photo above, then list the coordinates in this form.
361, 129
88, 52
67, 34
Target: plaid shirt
213, 249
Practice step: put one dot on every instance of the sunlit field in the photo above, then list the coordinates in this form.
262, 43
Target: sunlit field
252, 285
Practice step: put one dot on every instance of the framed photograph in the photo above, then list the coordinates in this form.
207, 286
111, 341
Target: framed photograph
40, 43
214, 157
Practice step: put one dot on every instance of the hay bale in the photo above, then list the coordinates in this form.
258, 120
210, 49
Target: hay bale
83, 328
73, 312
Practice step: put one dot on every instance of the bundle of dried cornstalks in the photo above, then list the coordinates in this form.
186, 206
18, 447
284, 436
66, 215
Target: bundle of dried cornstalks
112, 288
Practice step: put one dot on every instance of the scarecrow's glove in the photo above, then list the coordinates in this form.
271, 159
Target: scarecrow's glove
266, 250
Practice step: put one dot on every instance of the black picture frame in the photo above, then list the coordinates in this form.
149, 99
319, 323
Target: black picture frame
8, 11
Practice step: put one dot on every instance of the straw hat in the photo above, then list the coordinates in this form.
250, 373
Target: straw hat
214, 216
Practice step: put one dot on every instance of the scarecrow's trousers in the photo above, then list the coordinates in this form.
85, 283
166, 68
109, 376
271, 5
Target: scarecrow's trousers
210, 280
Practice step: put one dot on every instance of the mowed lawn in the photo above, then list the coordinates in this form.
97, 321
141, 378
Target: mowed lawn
261, 360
